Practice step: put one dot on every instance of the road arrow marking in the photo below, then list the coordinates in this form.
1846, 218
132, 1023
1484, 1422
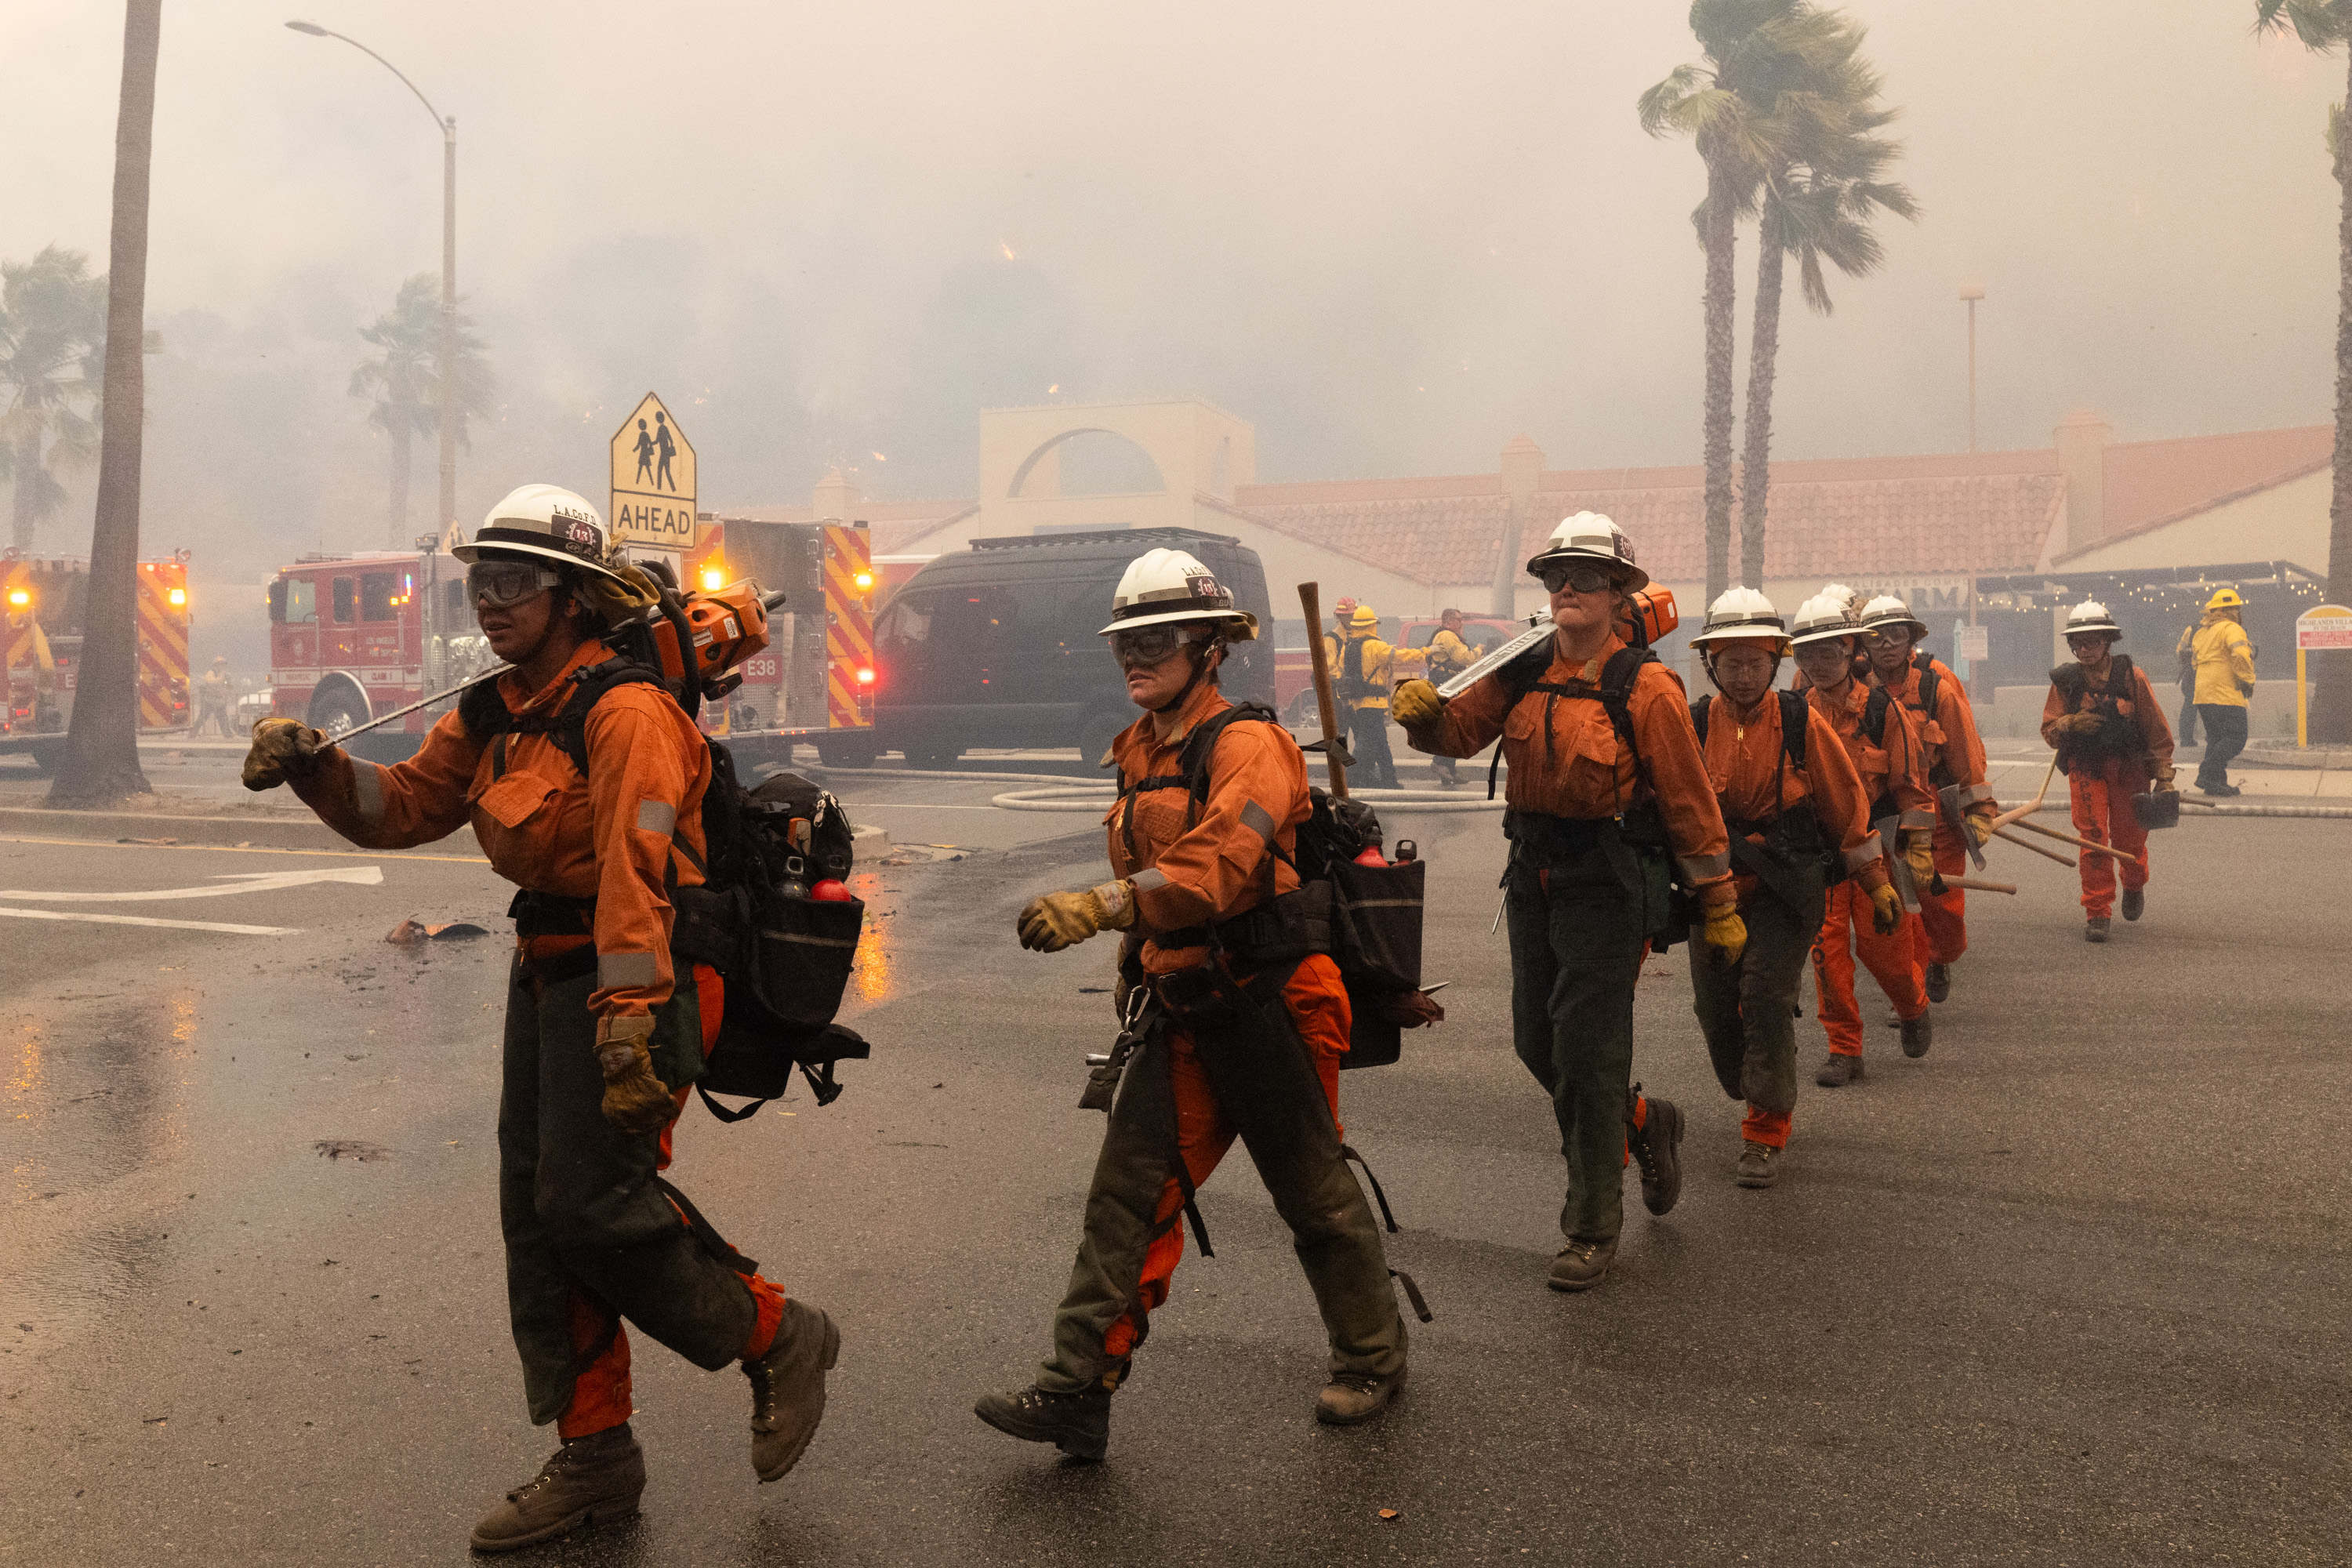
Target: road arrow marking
144, 921
244, 882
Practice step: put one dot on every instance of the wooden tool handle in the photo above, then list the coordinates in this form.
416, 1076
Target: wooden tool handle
1975, 886
2084, 842
1310, 599
2006, 837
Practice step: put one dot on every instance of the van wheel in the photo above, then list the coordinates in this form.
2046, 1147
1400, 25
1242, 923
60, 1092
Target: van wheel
847, 752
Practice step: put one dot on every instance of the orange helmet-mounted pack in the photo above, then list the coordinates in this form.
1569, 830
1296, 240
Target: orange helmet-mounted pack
724, 627
1649, 614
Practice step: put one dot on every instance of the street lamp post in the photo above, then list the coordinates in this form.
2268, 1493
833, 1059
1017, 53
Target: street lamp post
447, 125
1972, 292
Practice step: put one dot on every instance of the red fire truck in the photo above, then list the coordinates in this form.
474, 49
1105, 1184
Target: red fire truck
45, 600
815, 682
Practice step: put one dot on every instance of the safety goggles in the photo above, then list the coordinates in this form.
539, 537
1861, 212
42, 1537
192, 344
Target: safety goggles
503, 584
1147, 645
1887, 637
1583, 579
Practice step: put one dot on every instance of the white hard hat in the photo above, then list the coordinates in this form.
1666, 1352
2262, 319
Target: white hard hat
1828, 614
1163, 586
1886, 610
1589, 536
1742, 615
547, 522
1841, 592
2091, 615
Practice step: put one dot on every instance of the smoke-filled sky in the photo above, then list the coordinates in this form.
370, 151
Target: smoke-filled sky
1392, 235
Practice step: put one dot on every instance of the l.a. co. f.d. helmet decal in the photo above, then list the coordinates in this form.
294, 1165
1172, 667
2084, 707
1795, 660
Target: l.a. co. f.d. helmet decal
1202, 587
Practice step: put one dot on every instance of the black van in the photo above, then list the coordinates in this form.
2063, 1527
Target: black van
997, 647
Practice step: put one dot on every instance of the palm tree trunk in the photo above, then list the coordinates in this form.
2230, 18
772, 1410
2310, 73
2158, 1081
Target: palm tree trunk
1721, 289
22, 517
398, 522
1763, 349
2331, 716
100, 764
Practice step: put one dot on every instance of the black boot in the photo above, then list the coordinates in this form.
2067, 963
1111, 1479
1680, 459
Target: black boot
589, 1479
2135, 902
1657, 1148
1839, 1071
1077, 1424
1918, 1034
1939, 982
1581, 1265
2094, 929
788, 1388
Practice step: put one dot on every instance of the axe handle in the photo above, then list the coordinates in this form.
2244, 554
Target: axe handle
2084, 842
1310, 599
2006, 837
2031, 806
1975, 886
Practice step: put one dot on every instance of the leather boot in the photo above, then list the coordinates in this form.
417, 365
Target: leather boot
1354, 1396
1838, 1071
2135, 902
2094, 929
592, 1479
1581, 1265
788, 1388
1759, 1166
1918, 1034
1655, 1145
1077, 1424
1939, 982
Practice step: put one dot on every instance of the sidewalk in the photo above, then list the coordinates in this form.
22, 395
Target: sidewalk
2015, 779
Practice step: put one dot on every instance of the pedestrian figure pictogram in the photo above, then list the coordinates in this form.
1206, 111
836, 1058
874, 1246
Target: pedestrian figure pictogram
654, 479
646, 454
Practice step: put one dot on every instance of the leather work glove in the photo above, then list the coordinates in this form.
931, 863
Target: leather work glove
635, 1099
1415, 704
1057, 920
1726, 933
2078, 724
282, 750
1978, 820
622, 601
2162, 782
1919, 854
1885, 908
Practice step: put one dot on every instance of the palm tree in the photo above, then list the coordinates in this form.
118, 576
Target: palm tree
1818, 205
1748, 50
2323, 26
52, 344
405, 383
100, 764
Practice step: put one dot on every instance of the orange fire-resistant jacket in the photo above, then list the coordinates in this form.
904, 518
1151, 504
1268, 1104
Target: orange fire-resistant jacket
1565, 759
1753, 783
1193, 866
2140, 707
1897, 769
617, 837
1956, 753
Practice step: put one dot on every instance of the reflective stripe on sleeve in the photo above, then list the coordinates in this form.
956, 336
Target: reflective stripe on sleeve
1698, 868
1258, 820
1861, 854
1150, 880
656, 817
1916, 818
1971, 794
367, 790
626, 969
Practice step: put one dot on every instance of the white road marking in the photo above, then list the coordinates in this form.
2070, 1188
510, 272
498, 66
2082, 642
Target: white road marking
144, 921
242, 882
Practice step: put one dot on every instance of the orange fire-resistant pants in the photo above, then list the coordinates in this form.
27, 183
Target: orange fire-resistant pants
601, 1396
2101, 799
1941, 932
1893, 961
1318, 1006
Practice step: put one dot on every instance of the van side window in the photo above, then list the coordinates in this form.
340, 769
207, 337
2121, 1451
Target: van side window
376, 589
301, 601
908, 620
344, 600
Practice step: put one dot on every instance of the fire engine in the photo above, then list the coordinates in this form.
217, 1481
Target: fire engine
46, 599
815, 682
352, 636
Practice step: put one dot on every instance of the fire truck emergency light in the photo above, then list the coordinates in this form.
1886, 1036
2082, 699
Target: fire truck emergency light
179, 597
713, 579
20, 598
864, 580
865, 678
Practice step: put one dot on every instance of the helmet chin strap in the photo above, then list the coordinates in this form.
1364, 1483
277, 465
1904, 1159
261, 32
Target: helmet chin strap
1199, 652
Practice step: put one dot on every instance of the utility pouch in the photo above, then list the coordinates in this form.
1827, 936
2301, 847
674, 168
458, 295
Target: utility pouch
1375, 918
756, 1060
1103, 1078
1205, 997
802, 953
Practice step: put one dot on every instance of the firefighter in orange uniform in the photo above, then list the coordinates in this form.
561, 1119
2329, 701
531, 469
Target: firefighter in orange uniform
1241, 1012
594, 805
1947, 727
1610, 804
1797, 817
1880, 740
2113, 743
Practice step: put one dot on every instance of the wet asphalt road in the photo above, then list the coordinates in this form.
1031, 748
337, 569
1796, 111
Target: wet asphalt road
2068, 1290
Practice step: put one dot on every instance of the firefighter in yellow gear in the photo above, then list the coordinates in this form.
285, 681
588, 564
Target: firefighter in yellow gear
1362, 667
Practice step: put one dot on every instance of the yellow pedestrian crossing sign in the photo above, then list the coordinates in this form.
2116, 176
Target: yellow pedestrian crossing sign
652, 480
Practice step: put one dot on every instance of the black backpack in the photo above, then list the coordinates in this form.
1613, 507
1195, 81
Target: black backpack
1367, 918
786, 957
2116, 736
1795, 836
1615, 693
1351, 685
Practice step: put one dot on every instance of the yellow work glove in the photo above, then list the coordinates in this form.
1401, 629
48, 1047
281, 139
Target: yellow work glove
2078, 724
2162, 782
282, 750
1415, 704
622, 601
1885, 908
1057, 920
1978, 820
1726, 933
635, 1099
1919, 854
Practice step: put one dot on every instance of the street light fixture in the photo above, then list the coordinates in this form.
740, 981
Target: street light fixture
1972, 292
447, 125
